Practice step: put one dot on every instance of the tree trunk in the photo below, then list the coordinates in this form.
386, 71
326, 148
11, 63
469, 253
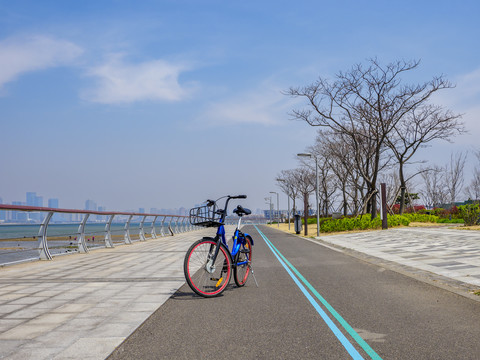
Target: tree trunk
402, 199
305, 213
373, 205
403, 186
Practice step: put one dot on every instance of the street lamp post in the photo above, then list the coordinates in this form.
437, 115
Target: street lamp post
316, 187
278, 210
288, 201
270, 207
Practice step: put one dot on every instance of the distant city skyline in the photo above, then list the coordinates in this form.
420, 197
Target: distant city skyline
32, 199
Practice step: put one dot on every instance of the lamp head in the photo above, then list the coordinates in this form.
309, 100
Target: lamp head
305, 154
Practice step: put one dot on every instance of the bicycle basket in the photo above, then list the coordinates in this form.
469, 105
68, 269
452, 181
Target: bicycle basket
205, 216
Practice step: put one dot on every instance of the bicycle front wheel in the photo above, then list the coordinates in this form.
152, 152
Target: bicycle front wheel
206, 277
242, 262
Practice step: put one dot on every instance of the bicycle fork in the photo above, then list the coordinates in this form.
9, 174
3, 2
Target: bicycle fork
210, 264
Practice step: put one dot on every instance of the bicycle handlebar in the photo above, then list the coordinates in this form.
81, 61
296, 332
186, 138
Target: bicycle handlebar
238, 197
223, 212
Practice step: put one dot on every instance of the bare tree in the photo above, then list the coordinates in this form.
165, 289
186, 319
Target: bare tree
287, 182
365, 104
329, 150
305, 183
392, 184
337, 151
435, 190
454, 175
473, 189
420, 126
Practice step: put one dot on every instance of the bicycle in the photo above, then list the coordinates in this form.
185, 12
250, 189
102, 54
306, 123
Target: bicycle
209, 262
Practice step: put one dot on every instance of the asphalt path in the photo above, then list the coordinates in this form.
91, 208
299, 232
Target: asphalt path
319, 304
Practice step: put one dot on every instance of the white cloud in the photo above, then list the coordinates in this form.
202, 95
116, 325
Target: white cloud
20, 55
119, 82
464, 99
265, 105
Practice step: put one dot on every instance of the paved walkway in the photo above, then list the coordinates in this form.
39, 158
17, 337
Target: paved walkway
436, 252
83, 306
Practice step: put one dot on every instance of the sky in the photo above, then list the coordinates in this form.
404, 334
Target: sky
163, 104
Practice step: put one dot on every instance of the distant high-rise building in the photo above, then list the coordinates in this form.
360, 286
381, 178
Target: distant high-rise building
141, 210
57, 217
53, 203
90, 205
34, 200
101, 217
31, 198
39, 201
19, 216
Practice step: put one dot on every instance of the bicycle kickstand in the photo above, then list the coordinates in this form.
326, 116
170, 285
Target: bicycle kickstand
253, 274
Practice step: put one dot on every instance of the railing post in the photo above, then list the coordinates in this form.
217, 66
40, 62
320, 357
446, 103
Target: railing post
82, 247
142, 230
43, 251
162, 230
170, 226
128, 240
108, 233
153, 232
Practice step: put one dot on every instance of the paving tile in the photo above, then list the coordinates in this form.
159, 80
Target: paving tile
9, 308
90, 348
7, 324
450, 253
57, 306
37, 353
23, 331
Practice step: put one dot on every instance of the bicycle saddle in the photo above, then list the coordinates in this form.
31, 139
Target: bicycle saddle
240, 211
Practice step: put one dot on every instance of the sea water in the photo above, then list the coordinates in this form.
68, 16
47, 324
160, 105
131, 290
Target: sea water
19, 242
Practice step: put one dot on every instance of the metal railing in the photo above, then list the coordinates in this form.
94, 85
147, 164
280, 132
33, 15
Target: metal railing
168, 225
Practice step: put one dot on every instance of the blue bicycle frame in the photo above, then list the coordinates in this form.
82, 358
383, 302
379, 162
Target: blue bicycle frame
238, 240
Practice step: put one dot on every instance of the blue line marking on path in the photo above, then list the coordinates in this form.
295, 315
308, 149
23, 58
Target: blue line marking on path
337, 316
346, 344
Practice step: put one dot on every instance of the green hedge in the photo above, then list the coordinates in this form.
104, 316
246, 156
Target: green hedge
361, 223
365, 222
421, 217
447, 221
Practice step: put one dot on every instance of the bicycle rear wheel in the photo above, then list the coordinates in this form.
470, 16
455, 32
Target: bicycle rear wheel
242, 262
206, 278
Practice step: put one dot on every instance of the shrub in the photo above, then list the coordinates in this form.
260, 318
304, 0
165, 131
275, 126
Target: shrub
361, 223
421, 217
470, 214
448, 221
